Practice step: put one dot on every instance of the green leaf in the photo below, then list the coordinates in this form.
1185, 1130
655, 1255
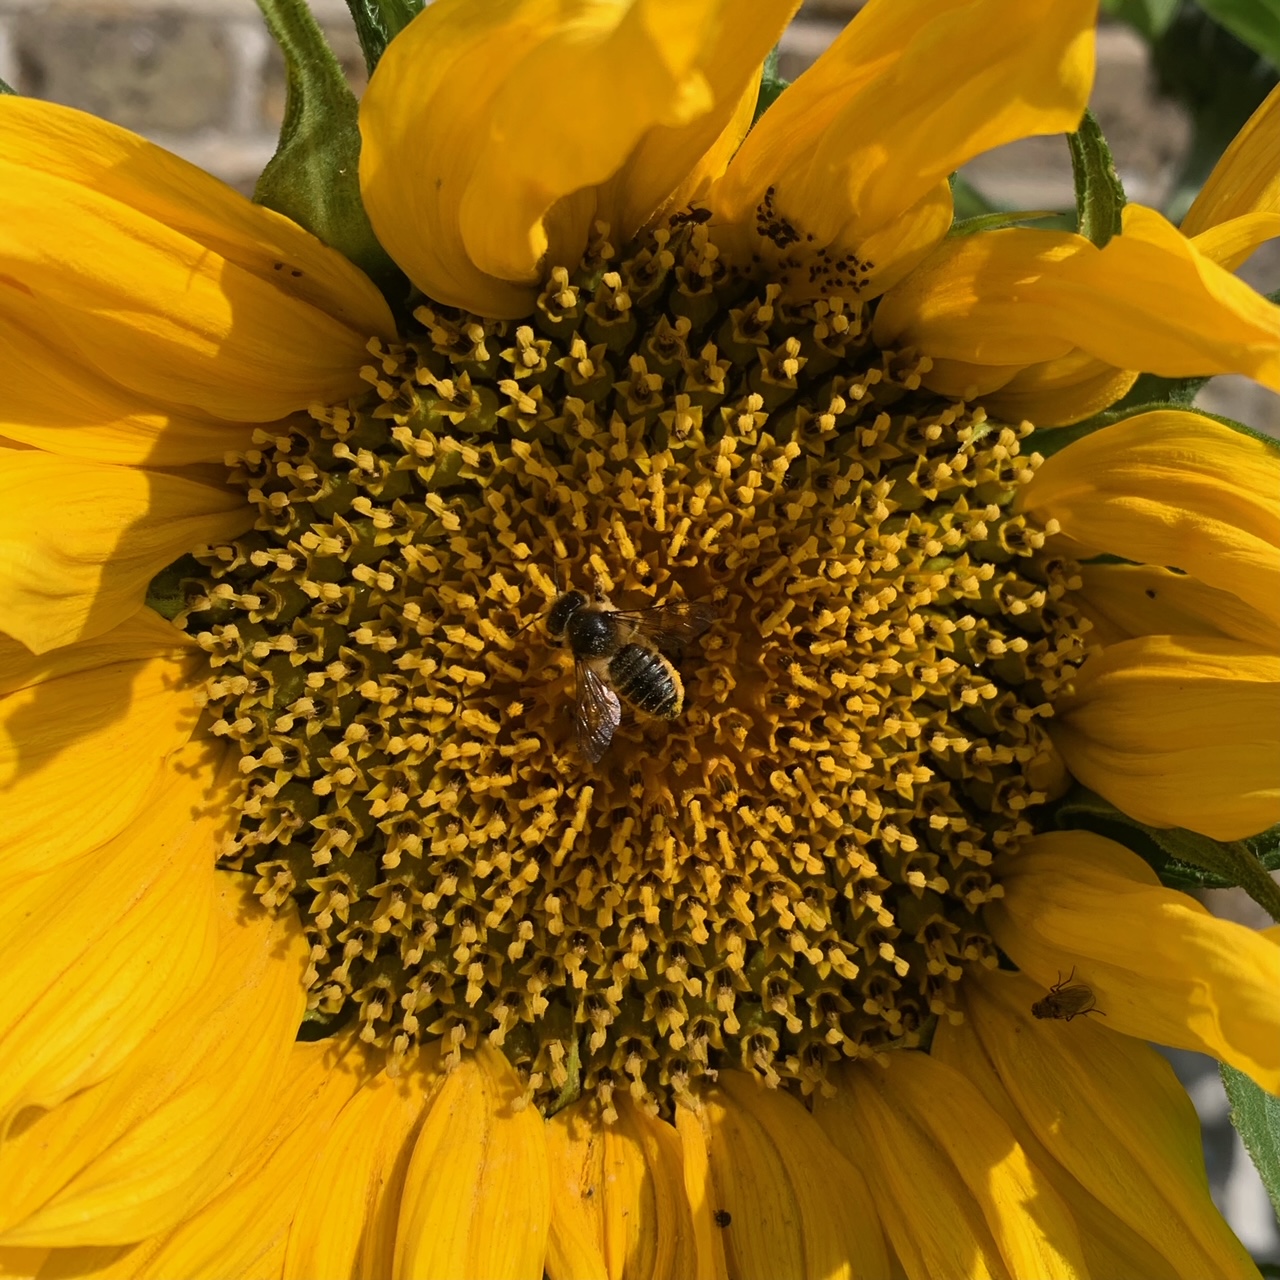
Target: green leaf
5, 88
313, 177
771, 85
1252, 22
1150, 17
1256, 1116
1099, 195
378, 22
1182, 859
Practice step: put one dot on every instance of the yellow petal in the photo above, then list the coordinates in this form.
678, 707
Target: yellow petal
618, 1204
797, 1208
933, 1223
478, 1160
1179, 732
55, 403
480, 169
130, 1156
345, 1224
241, 1233
97, 952
1112, 1112
1247, 177
140, 267
84, 733
708, 1234
79, 541
1032, 1228
908, 92
1160, 966
1111, 1246
1142, 600
1149, 301
1174, 489
1232, 243
1058, 392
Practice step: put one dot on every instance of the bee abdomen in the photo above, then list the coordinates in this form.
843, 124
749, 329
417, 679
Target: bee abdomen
647, 681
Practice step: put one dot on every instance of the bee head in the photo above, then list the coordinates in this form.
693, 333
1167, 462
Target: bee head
564, 608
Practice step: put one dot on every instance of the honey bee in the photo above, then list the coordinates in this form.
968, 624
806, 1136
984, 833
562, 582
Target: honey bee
1067, 1001
618, 657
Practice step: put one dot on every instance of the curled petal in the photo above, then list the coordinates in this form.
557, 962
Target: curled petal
1150, 300
1179, 731
480, 169
856, 153
1173, 489
1159, 965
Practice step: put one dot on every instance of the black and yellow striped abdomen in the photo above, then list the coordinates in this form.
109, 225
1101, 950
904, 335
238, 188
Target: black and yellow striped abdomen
646, 680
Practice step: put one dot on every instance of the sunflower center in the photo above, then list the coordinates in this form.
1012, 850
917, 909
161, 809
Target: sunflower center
786, 872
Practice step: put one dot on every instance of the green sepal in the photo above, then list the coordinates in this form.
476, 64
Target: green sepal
378, 22
1182, 859
7, 88
1255, 23
314, 176
1256, 1116
771, 86
994, 221
164, 592
1099, 194
1173, 393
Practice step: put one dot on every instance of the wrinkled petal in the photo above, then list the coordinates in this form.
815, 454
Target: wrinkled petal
1128, 600
618, 1203
481, 170
80, 541
796, 1207
84, 734
1149, 300
345, 1224
1247, 177
1111, 1111
1159, 965
1179, 732
149, 273
97, 952
1174, 489
130, 1156
480, 1154
858, 150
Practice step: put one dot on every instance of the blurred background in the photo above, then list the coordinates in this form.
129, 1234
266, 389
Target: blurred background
1175, 81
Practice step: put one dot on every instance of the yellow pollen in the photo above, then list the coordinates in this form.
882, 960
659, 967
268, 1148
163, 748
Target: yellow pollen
789, 872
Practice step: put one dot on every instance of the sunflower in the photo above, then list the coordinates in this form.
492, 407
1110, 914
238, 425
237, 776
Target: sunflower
796, 982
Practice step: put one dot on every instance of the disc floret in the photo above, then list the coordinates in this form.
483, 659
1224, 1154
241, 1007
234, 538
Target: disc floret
789, 873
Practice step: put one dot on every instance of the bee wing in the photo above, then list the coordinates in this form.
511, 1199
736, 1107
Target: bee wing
598, 712
671, 624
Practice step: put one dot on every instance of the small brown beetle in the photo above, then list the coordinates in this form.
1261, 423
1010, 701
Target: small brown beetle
1066, 1000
